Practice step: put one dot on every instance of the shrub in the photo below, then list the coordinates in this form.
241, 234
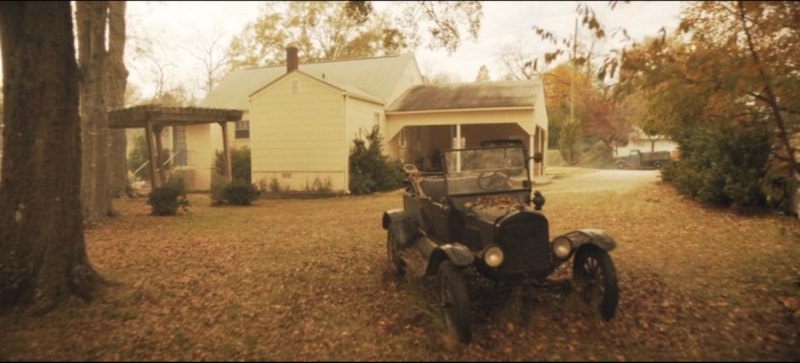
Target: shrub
240, 163
240, 192
722, 165
370, 169
597, 156
166, 199
274, 184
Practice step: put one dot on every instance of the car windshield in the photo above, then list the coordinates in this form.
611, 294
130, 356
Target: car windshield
485, 170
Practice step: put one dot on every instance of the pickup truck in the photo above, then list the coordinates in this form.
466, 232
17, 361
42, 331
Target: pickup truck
637, 159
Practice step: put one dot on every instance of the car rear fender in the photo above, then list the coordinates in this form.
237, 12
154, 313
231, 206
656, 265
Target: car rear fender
458, 254
587, 236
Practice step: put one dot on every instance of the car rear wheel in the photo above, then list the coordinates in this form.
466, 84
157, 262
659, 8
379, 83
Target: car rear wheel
596, 280
657, 165
397, 267
620, 165
454, 302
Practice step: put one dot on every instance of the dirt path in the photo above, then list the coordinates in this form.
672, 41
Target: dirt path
306, 280
579, 180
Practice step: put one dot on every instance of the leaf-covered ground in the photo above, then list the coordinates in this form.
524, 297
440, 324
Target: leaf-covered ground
306, 280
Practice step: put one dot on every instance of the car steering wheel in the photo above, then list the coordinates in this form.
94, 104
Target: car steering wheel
487, 180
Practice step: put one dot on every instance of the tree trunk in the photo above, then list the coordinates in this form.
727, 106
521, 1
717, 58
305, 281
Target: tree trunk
91, 18
43, 257
117, 79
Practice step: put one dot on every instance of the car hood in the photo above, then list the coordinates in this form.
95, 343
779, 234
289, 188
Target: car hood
494, 208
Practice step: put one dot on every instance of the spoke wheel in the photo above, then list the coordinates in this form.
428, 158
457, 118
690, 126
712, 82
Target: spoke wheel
397, 267
596, 280
454, 302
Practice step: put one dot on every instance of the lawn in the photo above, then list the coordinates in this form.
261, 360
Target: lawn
307, 280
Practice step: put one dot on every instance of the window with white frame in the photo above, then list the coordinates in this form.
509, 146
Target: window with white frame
243, 129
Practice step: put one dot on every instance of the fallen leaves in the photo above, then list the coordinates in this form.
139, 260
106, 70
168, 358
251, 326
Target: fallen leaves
306, 280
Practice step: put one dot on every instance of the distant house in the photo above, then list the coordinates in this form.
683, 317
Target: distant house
300, 120
638, 139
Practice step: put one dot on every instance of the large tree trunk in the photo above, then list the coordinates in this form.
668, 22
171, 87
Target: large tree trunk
42, 252
117, 78
91, 18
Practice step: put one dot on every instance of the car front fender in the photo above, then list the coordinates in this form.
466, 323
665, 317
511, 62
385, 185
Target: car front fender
596, 237
402, 233
458, 254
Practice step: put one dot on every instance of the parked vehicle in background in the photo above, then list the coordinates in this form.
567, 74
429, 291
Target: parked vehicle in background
637, 160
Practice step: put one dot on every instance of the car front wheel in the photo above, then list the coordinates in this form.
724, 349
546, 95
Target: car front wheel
620, 165
454, 302
596, 280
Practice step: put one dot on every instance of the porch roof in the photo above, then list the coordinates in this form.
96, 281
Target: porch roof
156, 114
482, 95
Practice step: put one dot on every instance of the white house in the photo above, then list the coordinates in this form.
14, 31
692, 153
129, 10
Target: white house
300, 120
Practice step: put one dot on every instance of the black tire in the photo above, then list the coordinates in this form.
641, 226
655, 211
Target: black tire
454, 302
397, 267
620, 165
596, 280
657, 165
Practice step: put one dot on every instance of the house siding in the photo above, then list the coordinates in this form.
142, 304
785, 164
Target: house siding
361, 117
298, 137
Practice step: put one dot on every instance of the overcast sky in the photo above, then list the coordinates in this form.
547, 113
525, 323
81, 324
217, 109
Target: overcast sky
503, 24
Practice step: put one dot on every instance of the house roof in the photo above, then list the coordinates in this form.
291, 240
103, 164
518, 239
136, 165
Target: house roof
375, 77
502, 94
349, 90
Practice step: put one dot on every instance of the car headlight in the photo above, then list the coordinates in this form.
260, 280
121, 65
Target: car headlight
562, 247
493, 256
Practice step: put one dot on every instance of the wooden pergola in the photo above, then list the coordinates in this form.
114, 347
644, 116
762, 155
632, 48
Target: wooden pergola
153, 118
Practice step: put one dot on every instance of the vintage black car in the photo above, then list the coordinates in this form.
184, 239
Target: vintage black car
479, 212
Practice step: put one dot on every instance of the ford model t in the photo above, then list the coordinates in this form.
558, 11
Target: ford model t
479, 213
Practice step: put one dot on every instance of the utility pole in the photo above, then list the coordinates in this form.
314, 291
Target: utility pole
572, 83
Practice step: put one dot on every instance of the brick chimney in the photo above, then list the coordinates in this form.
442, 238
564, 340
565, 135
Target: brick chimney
291, 58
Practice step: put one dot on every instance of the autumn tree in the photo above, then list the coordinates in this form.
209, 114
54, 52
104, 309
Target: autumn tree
320, 30
723, 78
43, 256
331, 30
213, 60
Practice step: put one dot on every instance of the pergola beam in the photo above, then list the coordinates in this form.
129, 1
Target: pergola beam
153, 118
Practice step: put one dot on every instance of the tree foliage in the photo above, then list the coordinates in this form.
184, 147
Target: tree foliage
727, 64
321, 30
331, 30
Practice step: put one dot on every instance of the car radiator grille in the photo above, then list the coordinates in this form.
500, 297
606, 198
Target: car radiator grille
525, 245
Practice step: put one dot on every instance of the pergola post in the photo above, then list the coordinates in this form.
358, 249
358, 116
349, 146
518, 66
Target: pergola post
151, 153
458, 145
228, 171
162, 174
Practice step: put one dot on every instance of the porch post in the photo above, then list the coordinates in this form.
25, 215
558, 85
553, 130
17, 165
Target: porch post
531, 163
544, 150
228, 173
162, 175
